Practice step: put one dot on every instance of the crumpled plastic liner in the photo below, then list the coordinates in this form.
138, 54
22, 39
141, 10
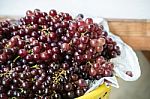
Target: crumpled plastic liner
127, 61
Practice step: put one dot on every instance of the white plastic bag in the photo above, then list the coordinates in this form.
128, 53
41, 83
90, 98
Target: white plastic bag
127, 61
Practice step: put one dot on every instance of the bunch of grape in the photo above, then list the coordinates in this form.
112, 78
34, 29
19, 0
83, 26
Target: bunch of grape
50, 56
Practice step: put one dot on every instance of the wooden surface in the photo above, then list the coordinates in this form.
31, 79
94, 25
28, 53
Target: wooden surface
135, 32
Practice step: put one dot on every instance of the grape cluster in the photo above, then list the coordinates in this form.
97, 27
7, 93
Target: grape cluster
51, 55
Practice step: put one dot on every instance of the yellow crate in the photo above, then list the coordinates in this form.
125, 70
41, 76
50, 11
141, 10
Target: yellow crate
101, 92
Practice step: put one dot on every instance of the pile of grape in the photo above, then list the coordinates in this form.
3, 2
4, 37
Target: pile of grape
50, 56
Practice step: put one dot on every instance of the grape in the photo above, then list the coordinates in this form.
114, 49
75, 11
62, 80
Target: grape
79, 92
65, 46
81, 23
84, 39
55, 57
89, 21
99, 49
71, 95
25, 85
82, 83
3, 96
52, 12
129, 73
68, 87
51, 55
96, 66
80, 16
93, 42
81, 29
65, 66
74, 77
101, 41
56, 96
100, 60
29, 57
107, 73
36, 49
44, 56
55, 50
29, 13
22, 52
92, 72
100, 70
3, 57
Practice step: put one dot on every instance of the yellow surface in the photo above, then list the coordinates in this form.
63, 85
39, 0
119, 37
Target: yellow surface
101, 92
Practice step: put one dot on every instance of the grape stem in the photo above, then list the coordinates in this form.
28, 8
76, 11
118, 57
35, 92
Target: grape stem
70, 43
82, 34
21, 89
7, 73
38, 95
54, 92
56, 79
16, 58
45, 31
89, 63
13, 98
30, 51
35, 66
7, 46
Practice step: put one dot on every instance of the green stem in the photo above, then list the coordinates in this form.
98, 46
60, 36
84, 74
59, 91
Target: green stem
35, 66
7, 46
30, 51
13, 98
16, 58
89, 63
21, 89
46, 31
56, 79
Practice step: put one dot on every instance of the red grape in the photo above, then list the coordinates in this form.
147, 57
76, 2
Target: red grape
89, 21
22, 52
92, 72
52, 12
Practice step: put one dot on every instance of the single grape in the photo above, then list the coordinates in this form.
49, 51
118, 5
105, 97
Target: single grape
129, 73
68, 87
79, 92
82, 83
93, 42
89, 21
92, 72
22, 52
44, 56
52, 12
65, 46
29, 13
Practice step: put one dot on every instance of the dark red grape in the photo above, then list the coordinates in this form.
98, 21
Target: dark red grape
82, 83
92, 72
44, 56
29, 13
65, 46
129, 73
68, 87
93, 42
52, 12
22, 52
79, 92
36, 49
89, 21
